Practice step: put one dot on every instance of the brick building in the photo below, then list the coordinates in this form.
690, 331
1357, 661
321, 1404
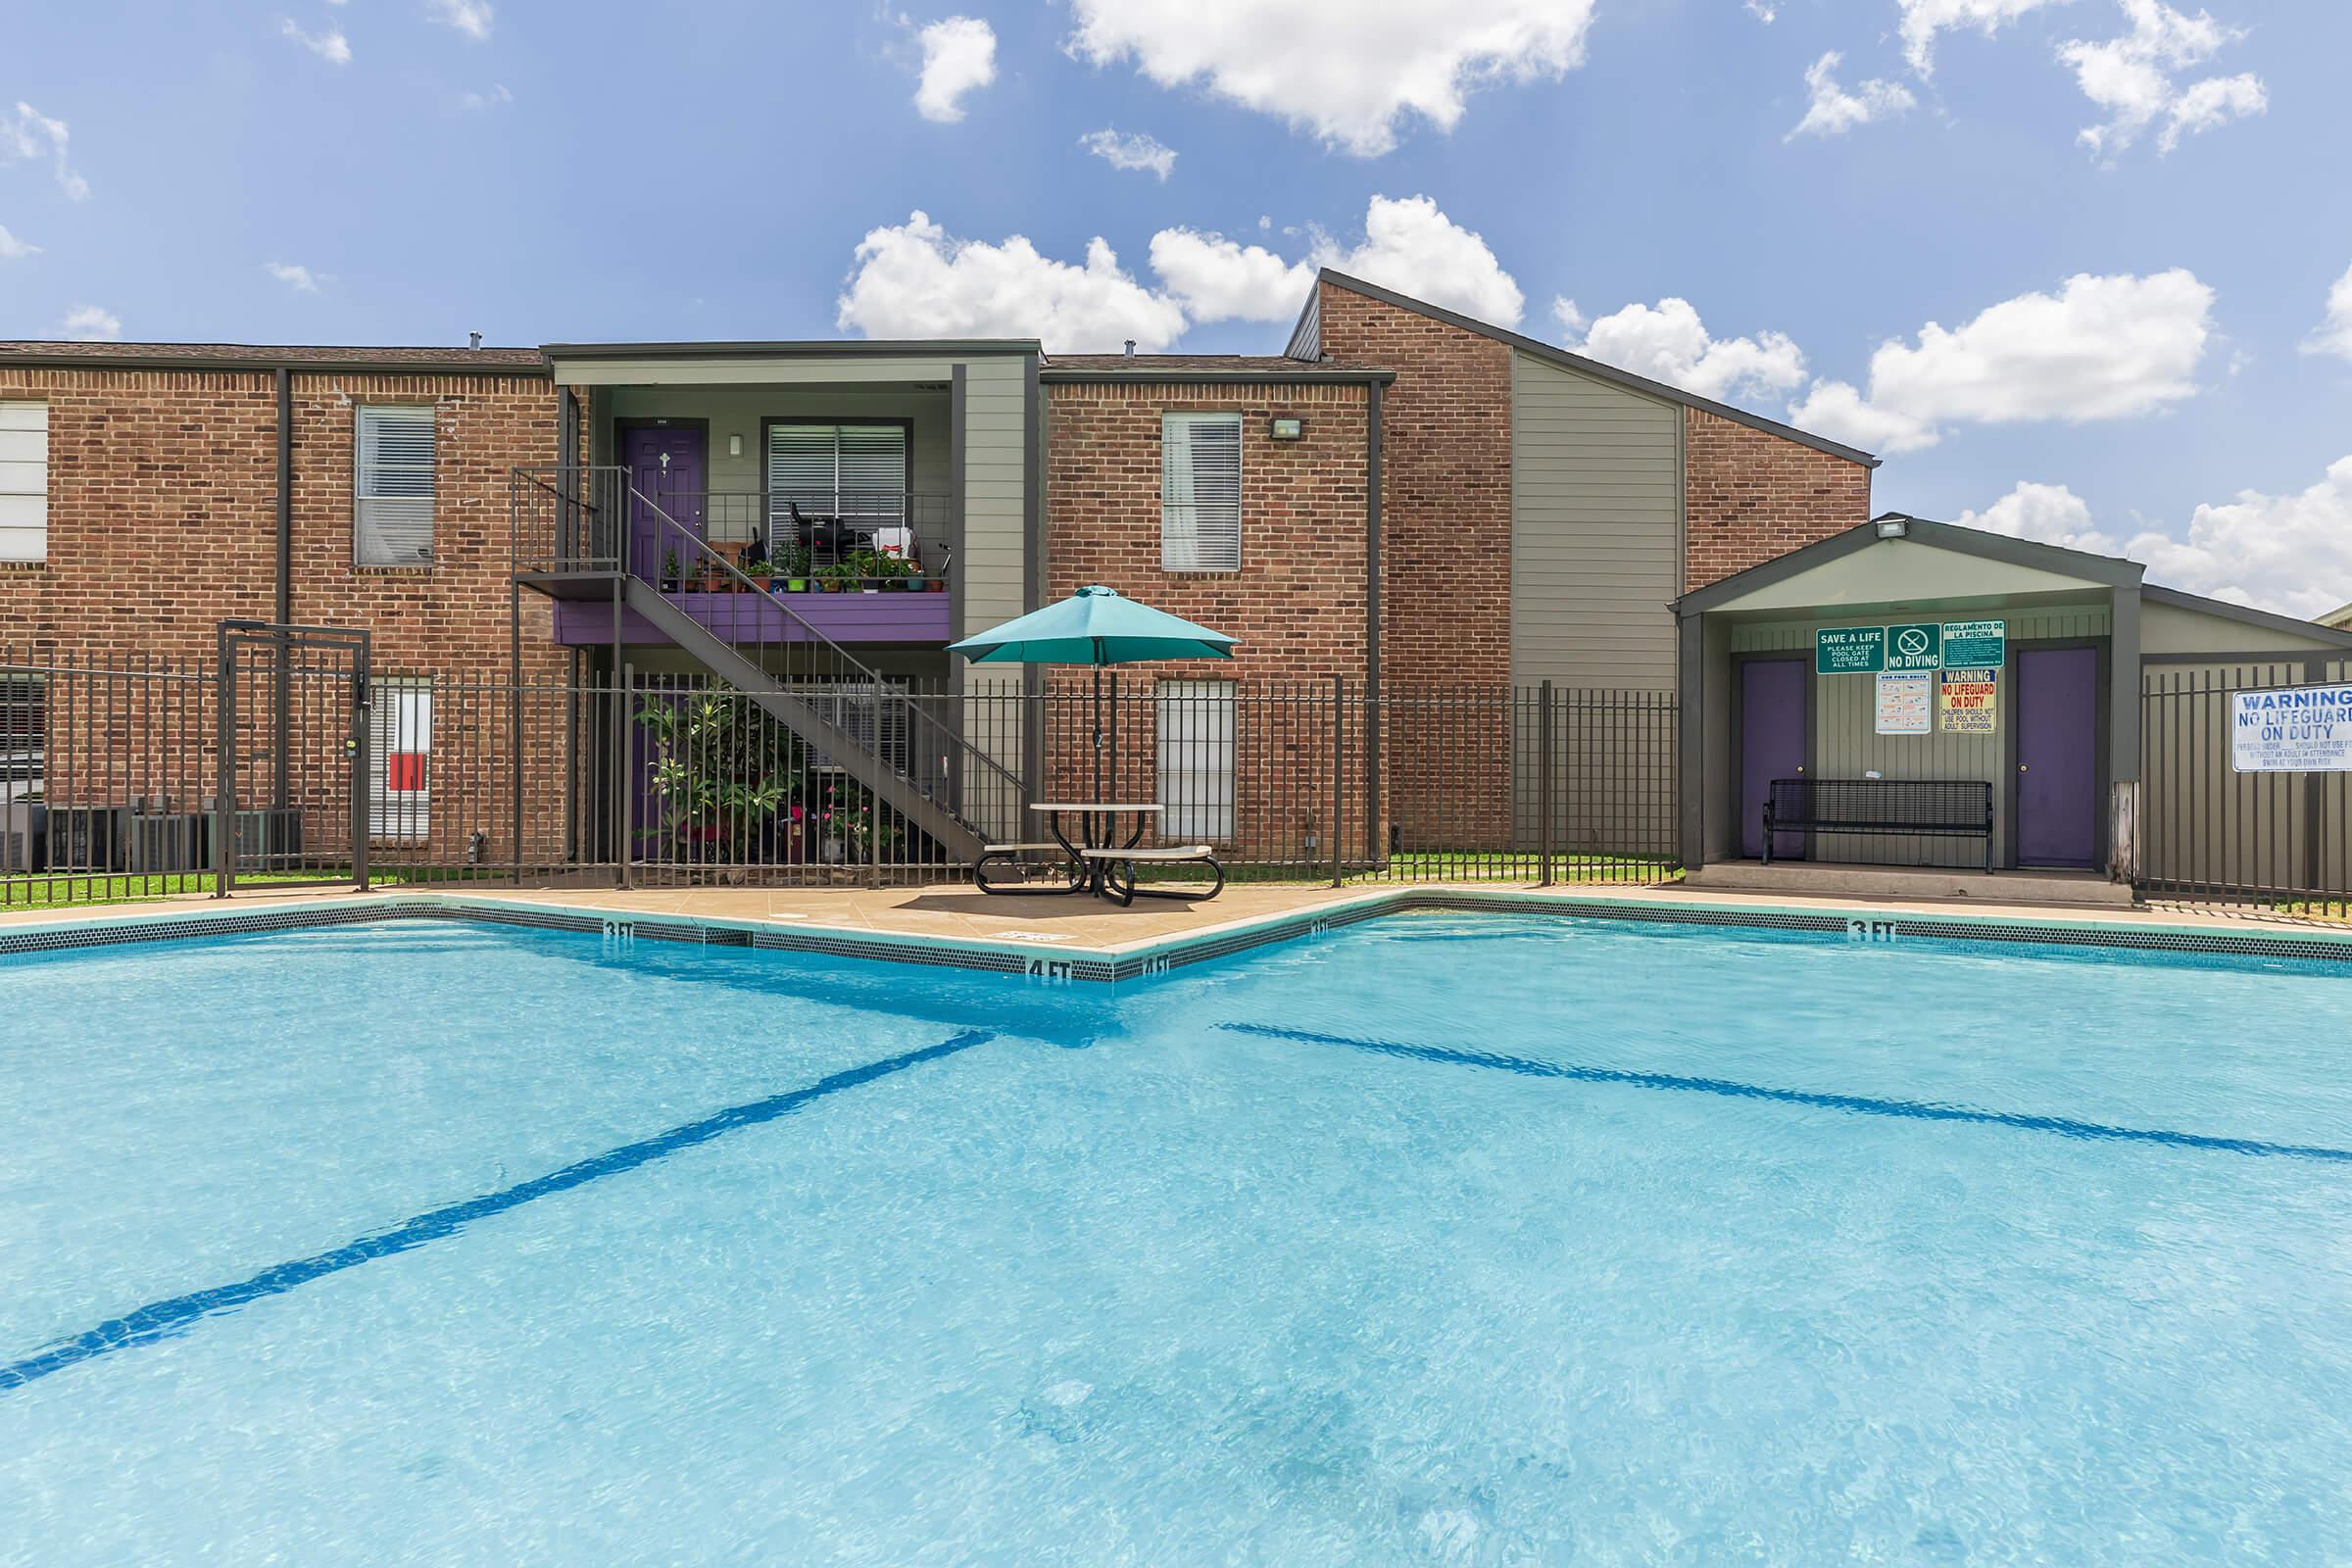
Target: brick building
1403, 498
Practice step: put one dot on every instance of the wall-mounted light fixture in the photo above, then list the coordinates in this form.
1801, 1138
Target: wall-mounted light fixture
735, 445
1893, 525
1286, 427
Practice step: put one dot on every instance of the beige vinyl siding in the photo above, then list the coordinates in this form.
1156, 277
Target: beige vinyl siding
995, 455
24, 481
1596, 530
1846, 743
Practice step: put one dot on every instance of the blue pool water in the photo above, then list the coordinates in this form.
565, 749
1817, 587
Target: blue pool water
1435, 1241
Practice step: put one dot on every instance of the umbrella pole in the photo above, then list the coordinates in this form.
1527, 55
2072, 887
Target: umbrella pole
1098, 732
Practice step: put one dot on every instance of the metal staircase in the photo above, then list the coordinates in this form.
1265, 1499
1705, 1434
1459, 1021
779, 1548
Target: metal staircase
571, 532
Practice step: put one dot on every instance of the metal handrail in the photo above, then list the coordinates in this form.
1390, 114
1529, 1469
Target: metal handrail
811, 633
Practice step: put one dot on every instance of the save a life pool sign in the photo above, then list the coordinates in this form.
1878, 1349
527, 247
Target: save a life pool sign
2299, 729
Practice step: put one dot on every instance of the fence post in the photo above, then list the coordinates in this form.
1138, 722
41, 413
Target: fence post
1546, 785
2314, 806
225, 779
1338, 773
624, 787
873, 798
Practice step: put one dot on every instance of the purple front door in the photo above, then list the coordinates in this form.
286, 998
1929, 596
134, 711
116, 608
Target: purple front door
665, 467
2058, 757
1771, 745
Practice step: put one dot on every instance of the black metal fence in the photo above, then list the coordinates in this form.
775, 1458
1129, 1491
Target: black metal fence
2211, 834
110, 778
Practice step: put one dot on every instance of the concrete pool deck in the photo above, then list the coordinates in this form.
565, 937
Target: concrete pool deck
1079, 937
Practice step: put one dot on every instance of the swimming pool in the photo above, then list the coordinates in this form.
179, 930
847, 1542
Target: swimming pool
1440, 1239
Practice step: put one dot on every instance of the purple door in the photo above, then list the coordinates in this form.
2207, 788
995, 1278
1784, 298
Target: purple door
665, 467
1771, 745
2058, 757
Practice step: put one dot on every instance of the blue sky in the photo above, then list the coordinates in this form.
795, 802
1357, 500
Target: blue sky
547, 173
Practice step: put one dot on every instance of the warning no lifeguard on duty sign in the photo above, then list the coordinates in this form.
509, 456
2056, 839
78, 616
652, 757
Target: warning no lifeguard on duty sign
2297, 729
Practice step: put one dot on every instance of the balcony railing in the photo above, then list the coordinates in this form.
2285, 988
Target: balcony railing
597, 521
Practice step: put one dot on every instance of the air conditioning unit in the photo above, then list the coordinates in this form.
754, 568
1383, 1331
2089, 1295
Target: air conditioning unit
89, 838
23, 838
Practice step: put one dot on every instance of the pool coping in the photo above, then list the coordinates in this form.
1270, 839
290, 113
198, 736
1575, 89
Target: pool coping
1150, 956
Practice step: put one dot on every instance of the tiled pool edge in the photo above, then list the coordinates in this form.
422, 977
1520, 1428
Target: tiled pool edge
1145, 960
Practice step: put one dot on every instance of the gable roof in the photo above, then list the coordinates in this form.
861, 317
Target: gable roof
2113, 570
1306, 337
2054, 558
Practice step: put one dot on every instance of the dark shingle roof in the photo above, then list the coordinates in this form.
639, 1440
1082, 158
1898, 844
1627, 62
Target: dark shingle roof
1233, 366
267, 356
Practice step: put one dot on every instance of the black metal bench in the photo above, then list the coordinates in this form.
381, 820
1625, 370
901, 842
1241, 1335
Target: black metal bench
1939, 808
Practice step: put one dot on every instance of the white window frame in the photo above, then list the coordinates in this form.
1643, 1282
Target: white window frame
1199, 533
1196, 759
23, 482
384, 496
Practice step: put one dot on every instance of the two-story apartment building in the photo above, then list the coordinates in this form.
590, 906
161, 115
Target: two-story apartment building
1403, 497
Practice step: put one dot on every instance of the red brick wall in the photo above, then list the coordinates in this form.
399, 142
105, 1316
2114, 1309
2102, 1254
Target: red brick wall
1298, 603
162, 519
1445, 560
1751, 496
162, 522
1445, 507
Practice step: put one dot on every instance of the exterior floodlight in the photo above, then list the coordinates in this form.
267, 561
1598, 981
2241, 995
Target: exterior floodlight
1893, 526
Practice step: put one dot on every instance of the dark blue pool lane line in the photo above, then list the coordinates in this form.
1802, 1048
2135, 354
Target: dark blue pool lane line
1859, 1104
160, 1319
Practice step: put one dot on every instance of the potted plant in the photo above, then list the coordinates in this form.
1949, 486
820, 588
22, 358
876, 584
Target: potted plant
792, 570
670, 571
759, 571
838, 578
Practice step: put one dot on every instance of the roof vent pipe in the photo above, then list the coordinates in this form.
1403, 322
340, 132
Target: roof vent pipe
1131, 348
476, 341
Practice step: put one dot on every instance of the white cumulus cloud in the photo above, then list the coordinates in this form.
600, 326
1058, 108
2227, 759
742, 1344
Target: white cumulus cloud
33, 135
2132, 78
331, 46
914, 280
12, 248
1133, 152
2334, 334
960, 57
1410, 245
2047, 514
2100, 348
295, 276
1669, 342
1922, 19
88, 323
1219, 280
470, 16
2290, 552
1347, 71
1570, 319
1833, 111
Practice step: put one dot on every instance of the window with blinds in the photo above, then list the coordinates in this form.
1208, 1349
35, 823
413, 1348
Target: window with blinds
1201, 492
24, 481
393, 520
838, 470
1196, 760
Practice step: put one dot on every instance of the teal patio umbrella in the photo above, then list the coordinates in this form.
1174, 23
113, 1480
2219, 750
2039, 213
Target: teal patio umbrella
1094, 626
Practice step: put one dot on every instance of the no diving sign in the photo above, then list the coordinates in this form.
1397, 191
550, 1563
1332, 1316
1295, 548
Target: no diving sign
2297, 729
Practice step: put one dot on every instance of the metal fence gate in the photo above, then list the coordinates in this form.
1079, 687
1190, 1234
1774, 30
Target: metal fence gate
291, 808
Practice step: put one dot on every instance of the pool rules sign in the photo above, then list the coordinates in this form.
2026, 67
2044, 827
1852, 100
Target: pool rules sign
2298, 730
